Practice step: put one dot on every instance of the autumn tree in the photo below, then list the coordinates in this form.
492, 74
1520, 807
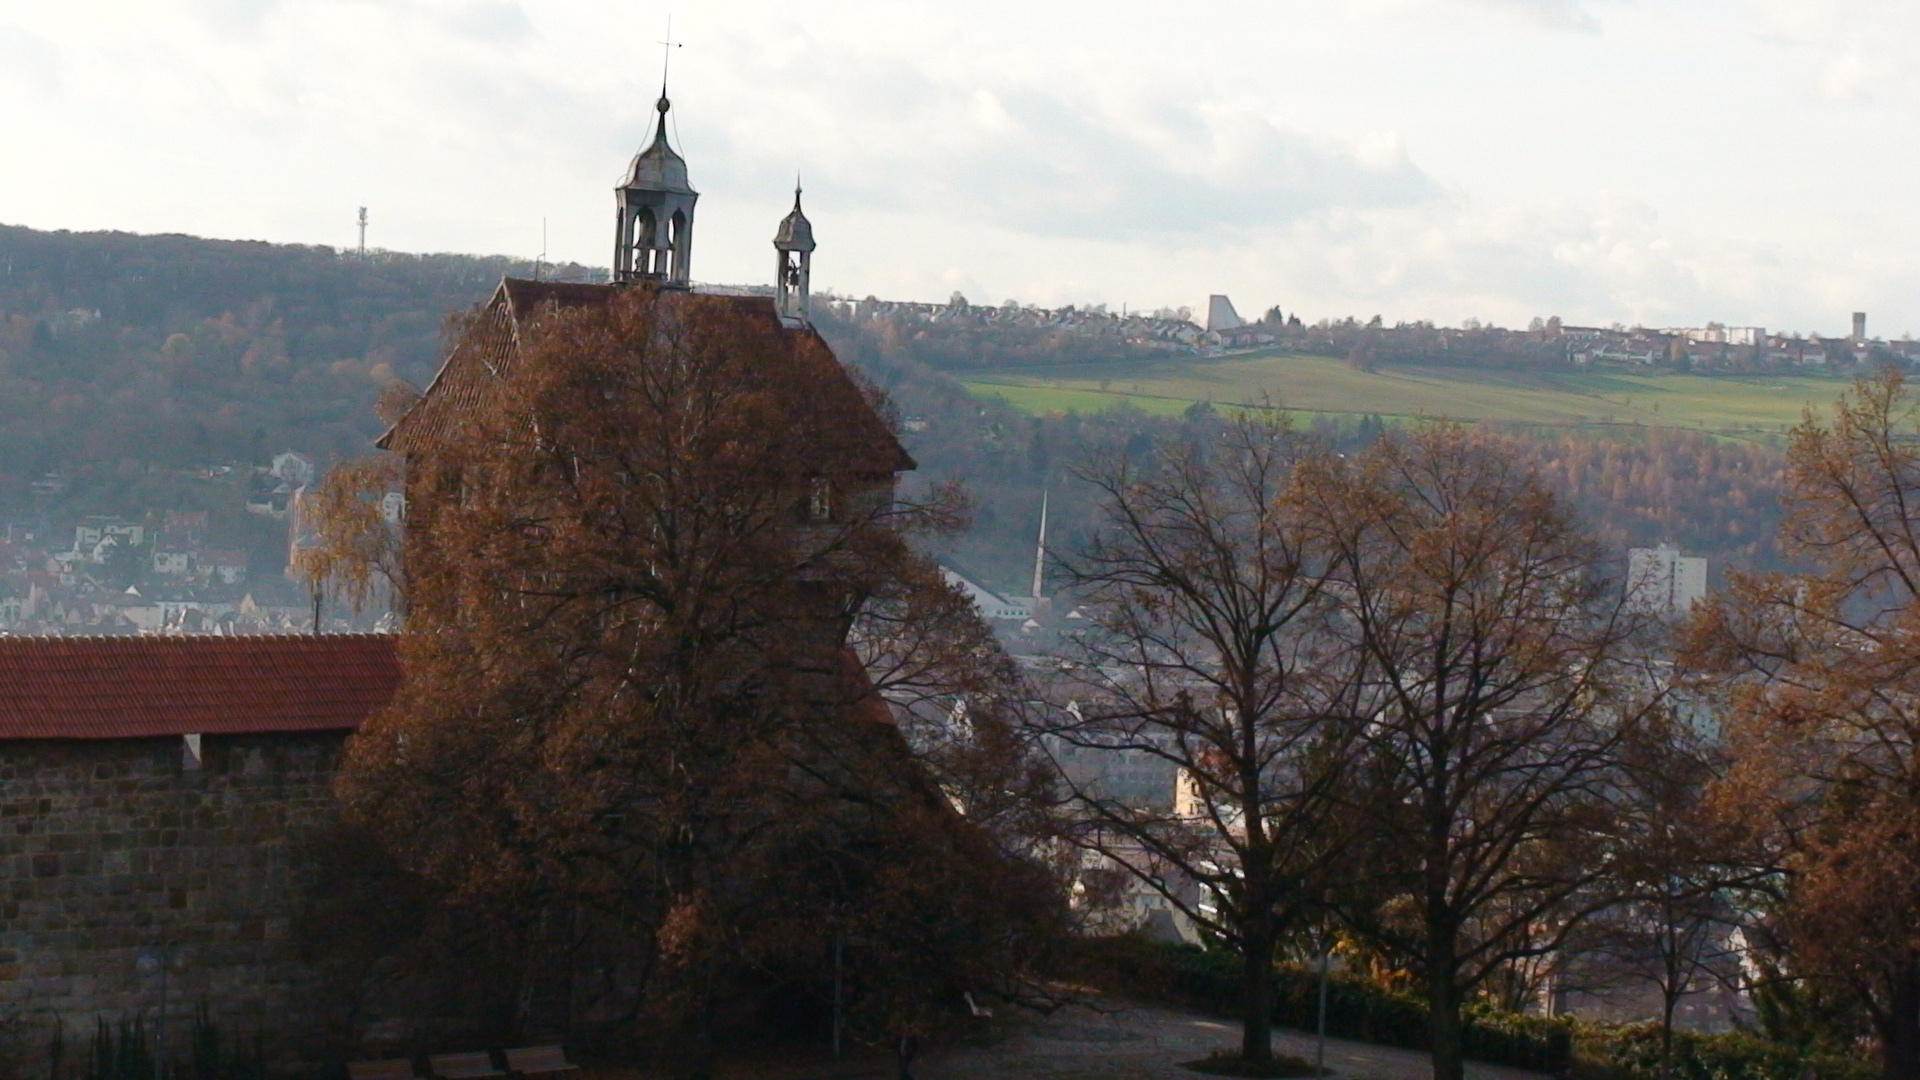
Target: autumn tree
640, 523
1499, 693
1820, 680
1210, 654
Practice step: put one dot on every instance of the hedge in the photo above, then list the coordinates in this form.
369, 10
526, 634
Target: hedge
1357, 1008
1632, 1052
1361, 1009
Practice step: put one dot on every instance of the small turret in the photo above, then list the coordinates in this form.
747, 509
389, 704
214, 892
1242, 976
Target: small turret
793, 245
654, 231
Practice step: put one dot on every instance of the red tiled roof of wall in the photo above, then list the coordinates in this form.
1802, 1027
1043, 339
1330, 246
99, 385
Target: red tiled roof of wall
134, 687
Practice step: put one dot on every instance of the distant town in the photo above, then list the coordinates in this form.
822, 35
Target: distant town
160, 572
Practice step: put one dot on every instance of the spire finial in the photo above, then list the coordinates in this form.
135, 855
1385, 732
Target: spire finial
666, 62
796, 189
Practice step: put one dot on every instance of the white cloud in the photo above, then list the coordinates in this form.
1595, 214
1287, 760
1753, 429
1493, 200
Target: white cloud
1575, 15
1866, 48
29, 62
1599, 159
1100, 161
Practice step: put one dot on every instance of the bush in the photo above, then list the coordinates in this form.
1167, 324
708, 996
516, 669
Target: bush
1632, 1052
1357, 1008
1360, 1009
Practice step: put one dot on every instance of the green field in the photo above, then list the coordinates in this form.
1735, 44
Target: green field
1758, 405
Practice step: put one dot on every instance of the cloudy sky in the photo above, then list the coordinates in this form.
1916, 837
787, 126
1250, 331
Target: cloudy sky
1665, 162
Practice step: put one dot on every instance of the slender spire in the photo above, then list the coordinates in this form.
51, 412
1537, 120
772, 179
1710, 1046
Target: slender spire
666, 59
1040, 549
666, 64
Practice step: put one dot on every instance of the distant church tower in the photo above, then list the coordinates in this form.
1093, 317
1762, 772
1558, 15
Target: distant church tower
794, 245
654, 234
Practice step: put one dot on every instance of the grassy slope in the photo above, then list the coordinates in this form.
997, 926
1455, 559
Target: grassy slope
1315, 384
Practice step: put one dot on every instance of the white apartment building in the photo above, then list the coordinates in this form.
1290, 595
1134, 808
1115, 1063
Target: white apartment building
1662, 581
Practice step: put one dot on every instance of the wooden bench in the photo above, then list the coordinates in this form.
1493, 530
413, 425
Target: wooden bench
470, 1066
396, 1069
539, 1061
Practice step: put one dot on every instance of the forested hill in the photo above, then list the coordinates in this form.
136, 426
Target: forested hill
174, 351
128, 363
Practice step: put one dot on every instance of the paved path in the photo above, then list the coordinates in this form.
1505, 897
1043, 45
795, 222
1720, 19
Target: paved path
1139, 1042
1111, 1041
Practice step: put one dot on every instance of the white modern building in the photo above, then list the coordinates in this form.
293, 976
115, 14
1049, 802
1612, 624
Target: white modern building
1662, 581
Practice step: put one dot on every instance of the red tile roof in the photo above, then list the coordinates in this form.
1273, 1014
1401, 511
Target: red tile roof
134, 687
847, 435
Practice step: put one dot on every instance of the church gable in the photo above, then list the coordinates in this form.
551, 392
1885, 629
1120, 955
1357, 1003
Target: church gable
845, 434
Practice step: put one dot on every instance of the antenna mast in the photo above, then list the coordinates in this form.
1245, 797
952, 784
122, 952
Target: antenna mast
363, 232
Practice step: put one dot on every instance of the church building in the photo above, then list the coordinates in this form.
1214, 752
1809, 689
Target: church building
155, 792
855, 454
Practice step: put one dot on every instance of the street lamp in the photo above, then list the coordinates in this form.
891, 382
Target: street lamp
1320, 1048
161, 958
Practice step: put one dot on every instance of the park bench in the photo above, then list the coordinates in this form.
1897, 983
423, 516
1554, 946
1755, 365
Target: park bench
539, 1061
470, 1066
396, 1069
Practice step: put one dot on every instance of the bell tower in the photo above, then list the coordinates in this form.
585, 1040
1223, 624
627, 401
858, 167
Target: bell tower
793, 245
653, 233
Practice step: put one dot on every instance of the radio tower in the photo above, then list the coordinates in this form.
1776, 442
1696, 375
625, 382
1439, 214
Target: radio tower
363, 232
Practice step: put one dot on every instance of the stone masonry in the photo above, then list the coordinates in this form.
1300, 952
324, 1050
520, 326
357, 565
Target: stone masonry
126, 861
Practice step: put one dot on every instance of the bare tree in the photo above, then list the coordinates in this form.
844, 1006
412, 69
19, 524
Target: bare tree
1683, 878
1211, 654
353, 545
354, 549
1499, 694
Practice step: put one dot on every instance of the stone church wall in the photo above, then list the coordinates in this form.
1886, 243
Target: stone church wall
120, 855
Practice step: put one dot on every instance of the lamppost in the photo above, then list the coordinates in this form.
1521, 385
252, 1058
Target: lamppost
160, 957
839, 942
1320, 1048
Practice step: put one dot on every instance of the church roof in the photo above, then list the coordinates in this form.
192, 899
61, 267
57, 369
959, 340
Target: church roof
659, 167
141, 687
848, 436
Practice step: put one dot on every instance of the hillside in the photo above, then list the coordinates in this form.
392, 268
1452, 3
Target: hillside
129, 365
140, 370
1319, 386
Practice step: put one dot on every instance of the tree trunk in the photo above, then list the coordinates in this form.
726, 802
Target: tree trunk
1446, 1037
1900, 1030
1256, 997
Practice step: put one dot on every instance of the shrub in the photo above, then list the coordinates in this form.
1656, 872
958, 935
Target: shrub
1357, 1008
1633, 1052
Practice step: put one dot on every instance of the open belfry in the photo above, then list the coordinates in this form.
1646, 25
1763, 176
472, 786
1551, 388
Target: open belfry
162, 799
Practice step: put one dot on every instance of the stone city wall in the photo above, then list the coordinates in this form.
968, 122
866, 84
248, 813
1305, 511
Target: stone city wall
124, 857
